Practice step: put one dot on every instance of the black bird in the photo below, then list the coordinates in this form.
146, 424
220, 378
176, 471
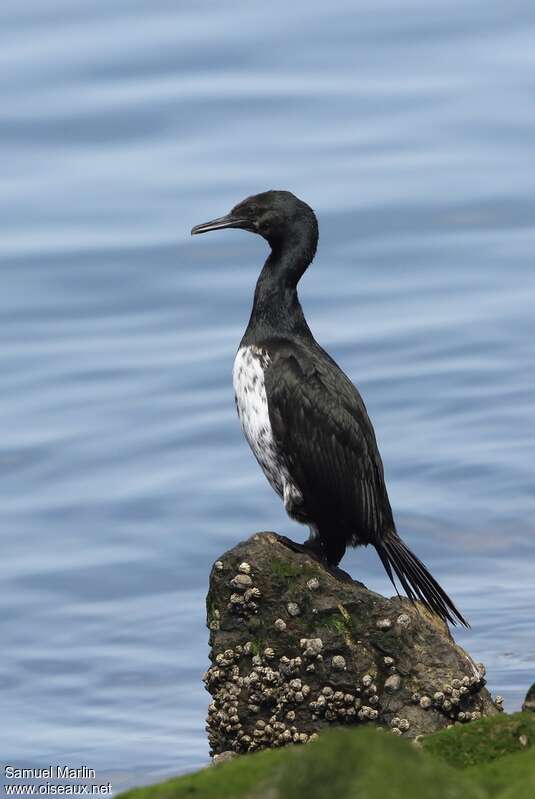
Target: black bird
303, 418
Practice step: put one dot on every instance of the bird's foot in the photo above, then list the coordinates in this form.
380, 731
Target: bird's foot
294, 546
315, 550
310, 548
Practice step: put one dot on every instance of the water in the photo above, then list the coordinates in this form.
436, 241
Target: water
124, 475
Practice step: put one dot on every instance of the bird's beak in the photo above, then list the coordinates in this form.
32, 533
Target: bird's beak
219, 224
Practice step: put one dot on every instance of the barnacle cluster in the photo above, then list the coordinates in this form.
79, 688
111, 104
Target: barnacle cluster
270, 690
454, 699
244, 598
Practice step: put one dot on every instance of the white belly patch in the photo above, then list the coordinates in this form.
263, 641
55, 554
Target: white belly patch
252, 406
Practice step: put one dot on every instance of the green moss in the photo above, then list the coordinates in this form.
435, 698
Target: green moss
340, 623
232, 780
336, 624
256, 646
483, 760
287, 570
488, 739
498, 776
366, 764
520, 789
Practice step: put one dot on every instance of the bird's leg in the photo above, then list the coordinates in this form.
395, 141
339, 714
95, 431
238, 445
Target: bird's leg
338, 573
315, 549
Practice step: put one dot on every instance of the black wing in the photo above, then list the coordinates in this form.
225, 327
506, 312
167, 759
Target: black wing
320, 423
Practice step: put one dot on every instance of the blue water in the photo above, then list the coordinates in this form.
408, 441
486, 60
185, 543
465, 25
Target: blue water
409, 127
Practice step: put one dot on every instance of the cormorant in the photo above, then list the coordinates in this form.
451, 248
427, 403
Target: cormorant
303, 418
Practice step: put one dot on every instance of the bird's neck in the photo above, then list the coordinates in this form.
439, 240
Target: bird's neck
277, 312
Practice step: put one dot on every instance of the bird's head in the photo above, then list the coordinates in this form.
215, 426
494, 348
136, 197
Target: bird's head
279, 216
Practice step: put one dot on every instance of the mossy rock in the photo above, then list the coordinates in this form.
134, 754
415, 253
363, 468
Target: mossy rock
529, 701
510, 777
367, 764
364, 764
497, 753
488, 759
297, 649
485, 741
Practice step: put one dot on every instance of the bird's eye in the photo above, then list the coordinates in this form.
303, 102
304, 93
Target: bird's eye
253, 209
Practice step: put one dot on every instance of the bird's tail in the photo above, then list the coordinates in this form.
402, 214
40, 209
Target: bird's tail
416, 580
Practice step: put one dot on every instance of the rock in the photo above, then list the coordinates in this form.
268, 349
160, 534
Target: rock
529, 701
224, 757
334, 662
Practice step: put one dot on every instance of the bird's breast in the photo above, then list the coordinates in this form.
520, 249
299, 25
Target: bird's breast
252, 405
